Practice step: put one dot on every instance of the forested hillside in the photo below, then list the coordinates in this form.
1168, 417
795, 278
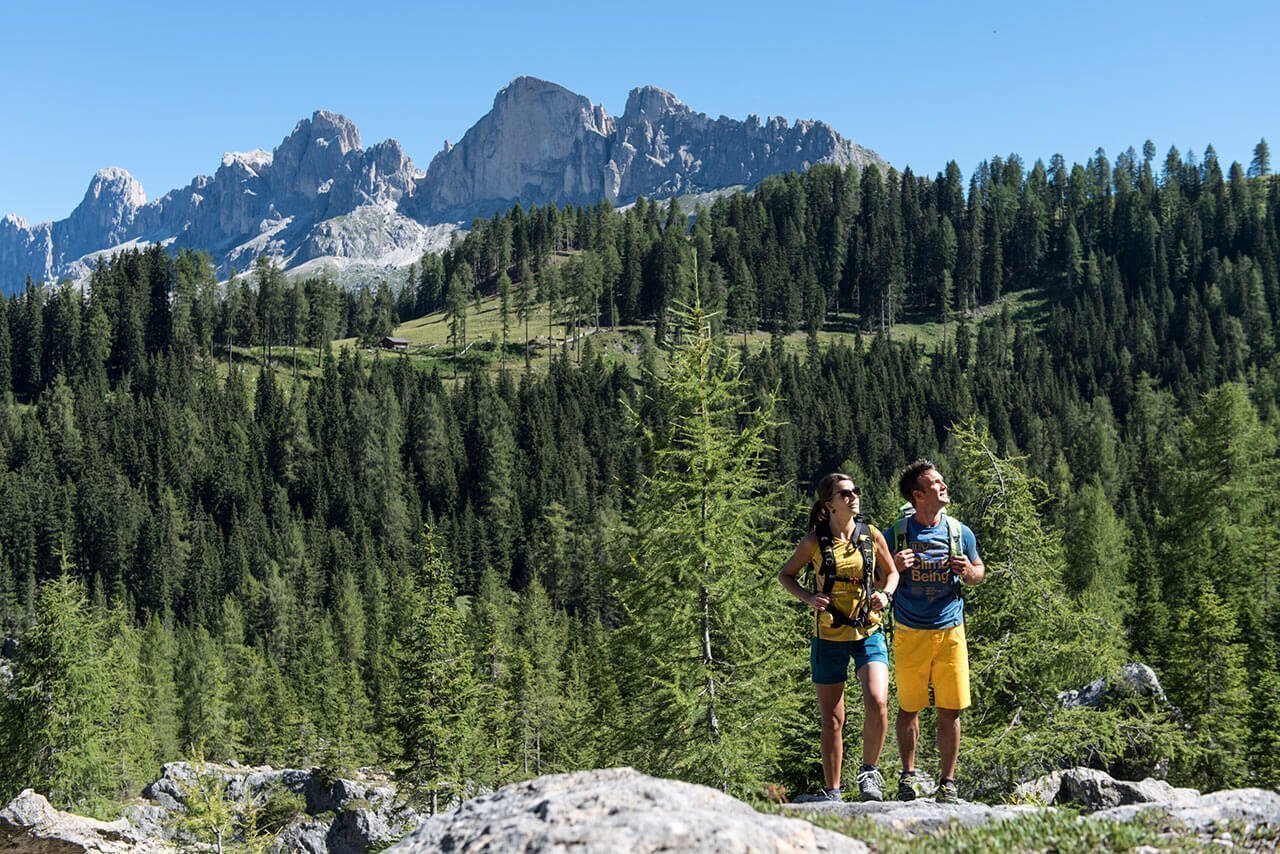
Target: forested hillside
480, 580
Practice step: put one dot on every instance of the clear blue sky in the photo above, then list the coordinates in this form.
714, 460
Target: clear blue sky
163, 89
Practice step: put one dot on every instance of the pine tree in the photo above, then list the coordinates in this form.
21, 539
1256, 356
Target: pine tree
1027, 639
1205, 679
1097, 566
704, 622
504, 311
57, 712
1222, 488
1261, 163
203, 691
436, 686
543, 638
130, 743
456, 311
1264, 725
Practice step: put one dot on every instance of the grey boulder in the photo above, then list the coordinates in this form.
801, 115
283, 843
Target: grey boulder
1097, 790
1132, 680
307, 835
616, 809
1249, 807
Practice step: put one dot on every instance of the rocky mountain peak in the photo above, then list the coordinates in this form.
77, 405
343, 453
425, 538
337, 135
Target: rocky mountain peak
116, 188
251, 161
312, 155
326, 129
650, 102
109, 207
538, 135
525, 96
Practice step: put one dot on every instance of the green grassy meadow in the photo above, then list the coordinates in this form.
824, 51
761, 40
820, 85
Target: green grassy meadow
430, 347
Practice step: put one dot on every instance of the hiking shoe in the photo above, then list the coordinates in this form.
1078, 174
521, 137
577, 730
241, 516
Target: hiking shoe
870, 784
832, 795
948, 793
912, 785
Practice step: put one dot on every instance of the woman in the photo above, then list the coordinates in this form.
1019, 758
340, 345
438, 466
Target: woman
846, 625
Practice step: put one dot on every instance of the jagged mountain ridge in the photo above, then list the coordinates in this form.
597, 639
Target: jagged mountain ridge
320, 196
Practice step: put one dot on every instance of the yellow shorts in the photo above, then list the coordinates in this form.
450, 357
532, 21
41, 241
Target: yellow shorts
937, 656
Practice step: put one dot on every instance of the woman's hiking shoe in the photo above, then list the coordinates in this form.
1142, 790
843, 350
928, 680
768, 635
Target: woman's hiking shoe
870, 784
912, 785
832, 795
948, 793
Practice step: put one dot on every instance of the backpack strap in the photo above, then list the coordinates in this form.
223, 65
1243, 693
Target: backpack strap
828, 569
899, 531
955, 533
867, 546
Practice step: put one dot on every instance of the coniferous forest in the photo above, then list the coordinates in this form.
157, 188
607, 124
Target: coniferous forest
477, 580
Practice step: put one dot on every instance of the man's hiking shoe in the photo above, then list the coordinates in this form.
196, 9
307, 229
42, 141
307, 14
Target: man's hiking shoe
832, 795
948, 793
870, 784
912, 785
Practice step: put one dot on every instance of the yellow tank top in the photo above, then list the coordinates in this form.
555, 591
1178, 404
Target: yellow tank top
846, 595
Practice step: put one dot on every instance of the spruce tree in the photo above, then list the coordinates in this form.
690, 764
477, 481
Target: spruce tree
543, 638
203, 690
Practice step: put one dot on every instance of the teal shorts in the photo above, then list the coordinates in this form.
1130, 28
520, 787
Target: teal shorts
829, 660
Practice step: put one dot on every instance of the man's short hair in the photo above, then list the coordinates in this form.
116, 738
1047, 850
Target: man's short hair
910, 477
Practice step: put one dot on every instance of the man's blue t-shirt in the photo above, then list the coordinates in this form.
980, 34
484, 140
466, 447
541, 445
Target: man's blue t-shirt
927, 596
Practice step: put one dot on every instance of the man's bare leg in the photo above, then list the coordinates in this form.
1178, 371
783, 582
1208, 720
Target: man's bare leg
948, 742
908, 727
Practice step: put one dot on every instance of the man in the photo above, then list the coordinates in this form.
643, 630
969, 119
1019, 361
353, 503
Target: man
934, 554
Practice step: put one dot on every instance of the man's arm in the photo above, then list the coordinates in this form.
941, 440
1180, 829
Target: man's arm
969, 566
971, 571
888, 571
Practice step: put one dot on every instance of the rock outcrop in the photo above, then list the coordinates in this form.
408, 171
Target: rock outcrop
615, 810
320, 195
1180, 812
337, 816
1130, 681
1094, 790
920, 817
31, 825
1118, 800
1205, 814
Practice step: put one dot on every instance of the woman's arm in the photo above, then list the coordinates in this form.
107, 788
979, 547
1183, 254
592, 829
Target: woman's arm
790, 569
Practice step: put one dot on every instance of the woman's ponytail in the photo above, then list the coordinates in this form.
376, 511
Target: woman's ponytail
818, 513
